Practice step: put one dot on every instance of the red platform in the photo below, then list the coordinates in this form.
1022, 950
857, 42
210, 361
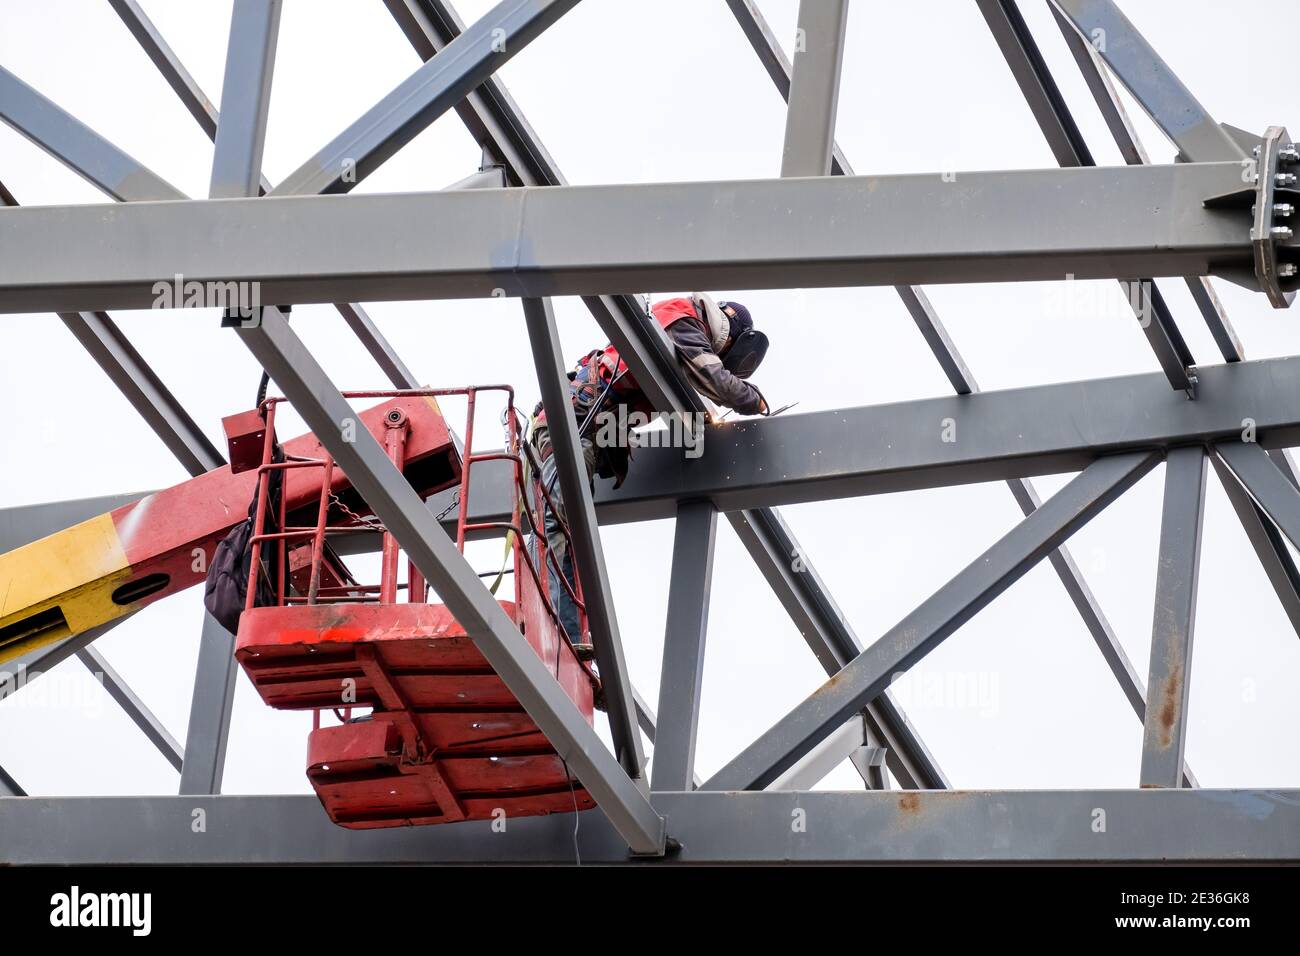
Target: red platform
447, 740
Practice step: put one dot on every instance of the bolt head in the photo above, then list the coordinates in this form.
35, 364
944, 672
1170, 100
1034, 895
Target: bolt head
1281, 232
1286, 270
1289, 153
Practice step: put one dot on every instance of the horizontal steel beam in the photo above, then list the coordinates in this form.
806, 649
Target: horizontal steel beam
828, 231
758, 827
1014, 433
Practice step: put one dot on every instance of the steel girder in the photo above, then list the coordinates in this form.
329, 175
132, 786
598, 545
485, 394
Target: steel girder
1166, 100
685, 632
1177, 579
1012, 433
815, 88
1003, 434
1083, 826
1092, 222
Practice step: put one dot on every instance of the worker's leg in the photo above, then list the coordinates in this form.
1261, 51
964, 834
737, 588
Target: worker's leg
559, 545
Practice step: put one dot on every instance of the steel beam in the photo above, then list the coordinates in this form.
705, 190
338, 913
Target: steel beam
383, 487
815, 88
168, 64
813, 767
1130, 147
211, 704
77, 146
1004, 434
954, 827
9, 787
682, 675
105, 342
823, 231
775, 62
589, 555
1276, 495
1169, 104
1094, 619
821, 623
135, 708
1269, 545
1014, 433
245, 99
934, 620
236, 171
645, 716
1177, 577
429, 92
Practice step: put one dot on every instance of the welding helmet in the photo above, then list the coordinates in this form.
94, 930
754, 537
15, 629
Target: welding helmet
747, 345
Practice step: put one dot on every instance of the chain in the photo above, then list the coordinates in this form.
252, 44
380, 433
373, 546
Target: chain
372, 523
455, 500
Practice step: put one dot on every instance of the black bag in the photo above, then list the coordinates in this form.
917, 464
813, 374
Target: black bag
226, 590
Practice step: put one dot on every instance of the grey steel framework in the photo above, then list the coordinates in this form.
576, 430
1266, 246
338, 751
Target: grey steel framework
1225, 210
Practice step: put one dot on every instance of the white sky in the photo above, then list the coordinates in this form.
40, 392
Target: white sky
619, 91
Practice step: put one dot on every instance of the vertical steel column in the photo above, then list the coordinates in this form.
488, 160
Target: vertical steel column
236, 171
391, 497
210, 707
245, 99
1165, 729
815, 88
589, 556
684, 636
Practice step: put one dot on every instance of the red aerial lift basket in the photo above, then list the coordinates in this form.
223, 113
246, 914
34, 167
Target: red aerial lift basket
445, 739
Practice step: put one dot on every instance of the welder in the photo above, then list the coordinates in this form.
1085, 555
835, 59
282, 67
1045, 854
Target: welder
717, 349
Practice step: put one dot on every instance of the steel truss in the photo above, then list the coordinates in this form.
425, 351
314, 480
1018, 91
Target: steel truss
1221, 211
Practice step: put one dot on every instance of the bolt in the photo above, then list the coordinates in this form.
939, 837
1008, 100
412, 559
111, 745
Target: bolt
1285, 179
1283, 209
1289, 153
1286, 270
1255, 152
1281, 232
